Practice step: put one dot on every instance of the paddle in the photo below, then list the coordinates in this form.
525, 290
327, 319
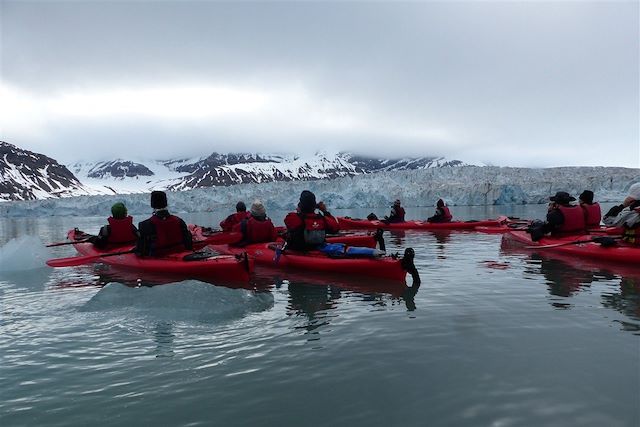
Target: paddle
50, 245
80, 260
517, 226
604, 241
380, 239
279, 249
221, 238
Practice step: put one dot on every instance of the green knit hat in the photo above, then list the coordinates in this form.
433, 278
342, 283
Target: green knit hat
119, 210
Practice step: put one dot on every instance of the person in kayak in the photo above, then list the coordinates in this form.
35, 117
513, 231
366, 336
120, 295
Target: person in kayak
307, 229
257, 227
163, 232
119, 230
563, 218
235, 218
591, 209
397, 213
443, 214
626, 214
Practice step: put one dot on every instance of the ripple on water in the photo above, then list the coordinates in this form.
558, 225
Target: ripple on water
478, 345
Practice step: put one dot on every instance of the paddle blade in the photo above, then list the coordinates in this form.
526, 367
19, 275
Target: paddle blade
278, 252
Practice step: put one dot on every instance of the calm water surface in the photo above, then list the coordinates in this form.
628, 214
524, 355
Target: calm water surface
492, 337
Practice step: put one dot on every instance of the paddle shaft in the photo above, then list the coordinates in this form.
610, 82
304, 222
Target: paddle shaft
80, 260
222, 238
50, 245
599, 240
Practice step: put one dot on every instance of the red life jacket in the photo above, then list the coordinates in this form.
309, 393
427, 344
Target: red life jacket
121, 230
308, 230
573, 219
258, 231
168, 233
592, 214
399, 214
232, 220
447, 214
314, 229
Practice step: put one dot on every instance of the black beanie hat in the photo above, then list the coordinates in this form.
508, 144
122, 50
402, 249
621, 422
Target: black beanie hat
241, 207
307, 201
158, 199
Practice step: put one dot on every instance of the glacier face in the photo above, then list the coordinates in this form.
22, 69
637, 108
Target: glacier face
465, 185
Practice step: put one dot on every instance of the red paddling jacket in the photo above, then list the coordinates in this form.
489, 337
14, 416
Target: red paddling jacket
233, 219
308, 230
443, 214
163, 233
256, 230
397, 214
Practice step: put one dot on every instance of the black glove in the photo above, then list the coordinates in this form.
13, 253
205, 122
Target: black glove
614, 211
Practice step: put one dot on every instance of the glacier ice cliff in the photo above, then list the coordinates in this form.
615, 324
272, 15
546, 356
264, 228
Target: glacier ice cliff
466, 185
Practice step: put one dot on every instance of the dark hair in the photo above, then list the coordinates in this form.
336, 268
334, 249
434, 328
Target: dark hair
307, 201
241, 207
586, 196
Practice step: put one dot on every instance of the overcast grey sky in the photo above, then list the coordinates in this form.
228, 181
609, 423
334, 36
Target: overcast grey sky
503, 83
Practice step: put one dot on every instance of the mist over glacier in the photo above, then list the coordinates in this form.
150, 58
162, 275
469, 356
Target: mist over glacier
467, 185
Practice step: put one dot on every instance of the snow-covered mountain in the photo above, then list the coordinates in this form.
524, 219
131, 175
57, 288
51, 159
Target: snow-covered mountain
127, 176
372, 164
223, 170
25, 175
27, 180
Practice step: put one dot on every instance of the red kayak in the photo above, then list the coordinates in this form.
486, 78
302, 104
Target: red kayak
570, 261
521, 225
601, 248
271, 255
347, 223
184, 264
367, 239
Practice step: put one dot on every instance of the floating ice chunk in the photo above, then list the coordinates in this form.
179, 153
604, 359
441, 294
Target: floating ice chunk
23, 253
